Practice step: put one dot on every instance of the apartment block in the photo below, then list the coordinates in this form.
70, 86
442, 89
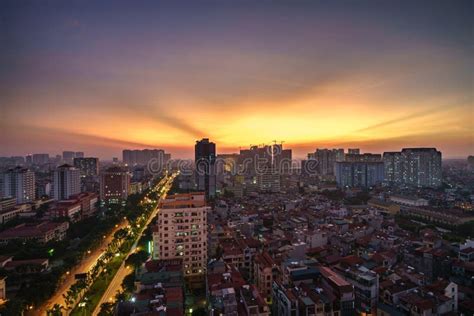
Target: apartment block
181, 232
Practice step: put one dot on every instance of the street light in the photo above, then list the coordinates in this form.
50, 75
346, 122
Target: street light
83, 305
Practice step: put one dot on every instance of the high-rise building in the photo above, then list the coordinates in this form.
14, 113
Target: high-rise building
269, 181
66, 182
18, 160
127, 156
361, 171
88, 166
263, 166
143, 157
339, 154
227, 163
205, 160
114, 185
363, 157
19, 183
251, 161
181, 233
282, 159
414, 167
56, 160
40, 159
326, 159
421, 167
353, 151
393, 167
68, 156
255, 159
470, 162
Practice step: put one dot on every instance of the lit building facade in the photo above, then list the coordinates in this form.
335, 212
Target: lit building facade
87, 166
68, 156
66, 182
360, 174
393, 167
19, 183
413, 167
142, 157
114, 185
326, 158
181, 232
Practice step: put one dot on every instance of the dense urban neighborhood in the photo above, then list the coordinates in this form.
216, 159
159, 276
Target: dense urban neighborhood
251, 233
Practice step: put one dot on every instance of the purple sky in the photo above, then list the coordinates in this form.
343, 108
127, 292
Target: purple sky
100, 76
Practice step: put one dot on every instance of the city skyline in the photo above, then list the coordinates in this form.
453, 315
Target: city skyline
103, 77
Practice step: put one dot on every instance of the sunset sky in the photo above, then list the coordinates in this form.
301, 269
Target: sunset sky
101, 76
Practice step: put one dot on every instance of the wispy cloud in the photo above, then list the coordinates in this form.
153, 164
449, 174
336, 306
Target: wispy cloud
412, 116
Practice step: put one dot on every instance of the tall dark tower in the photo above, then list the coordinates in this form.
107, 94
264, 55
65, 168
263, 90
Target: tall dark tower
205, 160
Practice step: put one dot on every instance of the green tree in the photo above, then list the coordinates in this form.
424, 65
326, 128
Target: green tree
120, 234
106, 309
199, 312
137, 259
466, 230
128, 283
14, 307
56, 310
120, 296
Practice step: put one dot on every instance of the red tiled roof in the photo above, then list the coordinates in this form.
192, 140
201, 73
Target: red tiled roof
174, 294
29, 230
167, 264
174, 311
351, 260
467, 250
17, 263
333, 276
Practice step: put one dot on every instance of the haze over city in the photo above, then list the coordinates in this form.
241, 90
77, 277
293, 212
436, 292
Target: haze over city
103, 76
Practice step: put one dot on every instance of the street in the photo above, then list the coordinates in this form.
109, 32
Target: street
85, 265
116, 283
89, 262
